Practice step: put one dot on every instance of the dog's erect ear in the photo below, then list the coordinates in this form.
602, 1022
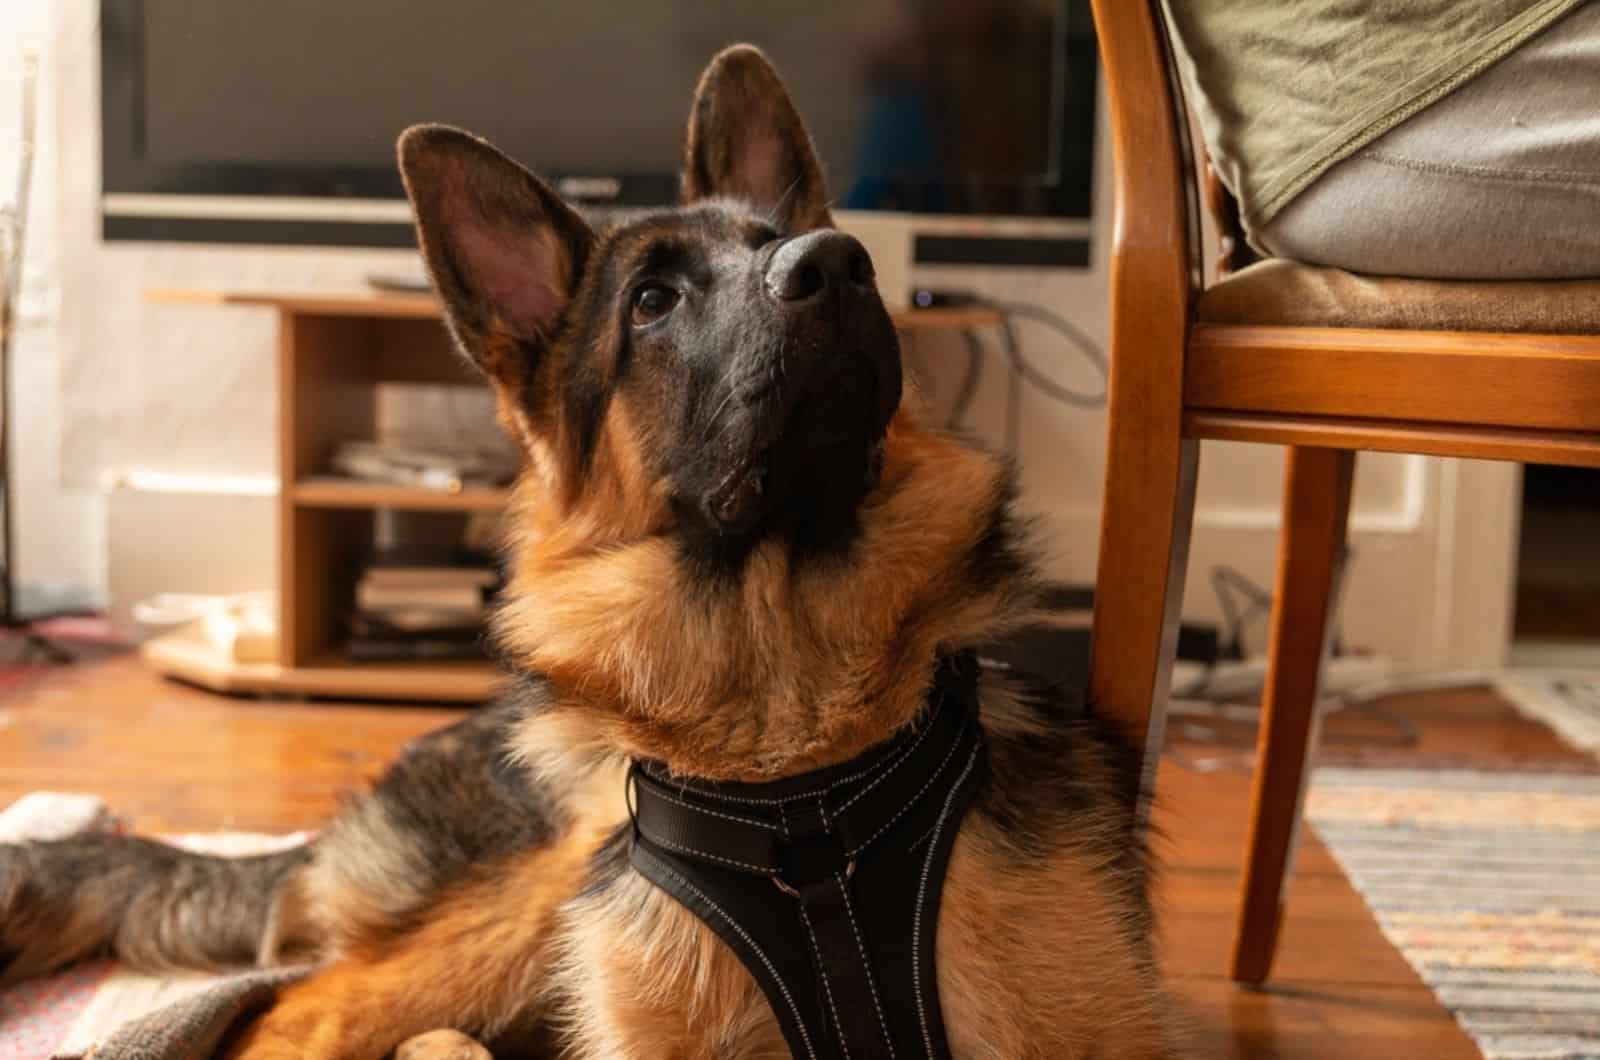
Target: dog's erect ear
746, 141
504, 251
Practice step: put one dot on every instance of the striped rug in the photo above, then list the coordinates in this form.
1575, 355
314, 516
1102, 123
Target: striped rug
1567, 702
1489, 884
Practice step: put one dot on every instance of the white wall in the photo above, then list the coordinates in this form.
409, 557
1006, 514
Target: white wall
191, 390
60, 530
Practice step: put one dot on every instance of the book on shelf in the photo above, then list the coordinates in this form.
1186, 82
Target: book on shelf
415, 620
377, 596
431, 467
398, 636
420, 576
414, 557
379, 649
431, 577
416, 602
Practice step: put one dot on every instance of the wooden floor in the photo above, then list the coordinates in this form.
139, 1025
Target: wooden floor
171, 758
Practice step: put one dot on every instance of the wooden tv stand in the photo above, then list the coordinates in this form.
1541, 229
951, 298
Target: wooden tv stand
332, 351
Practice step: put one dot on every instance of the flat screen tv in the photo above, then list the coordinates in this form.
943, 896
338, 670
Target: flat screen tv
274, 122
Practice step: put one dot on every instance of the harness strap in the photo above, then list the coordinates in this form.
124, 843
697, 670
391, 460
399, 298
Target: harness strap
824, 825
845, 968
827, 885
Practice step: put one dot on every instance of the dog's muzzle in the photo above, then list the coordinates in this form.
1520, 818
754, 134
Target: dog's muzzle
836, 382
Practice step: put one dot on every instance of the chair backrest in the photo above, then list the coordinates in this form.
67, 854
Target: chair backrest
1153, 227
1154, 279
1147, 102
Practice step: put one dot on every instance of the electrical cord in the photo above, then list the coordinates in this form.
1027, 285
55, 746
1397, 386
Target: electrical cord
1022, 369
1075, 335
1014, 383
1228, 582
1200, 709
1225, 582
962, 403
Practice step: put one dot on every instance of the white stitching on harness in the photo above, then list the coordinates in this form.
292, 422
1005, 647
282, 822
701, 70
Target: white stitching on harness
701, 853
872, 983
827, 988
714, 813
896, 764
901, 812
922, 894
795, 1009
841, 782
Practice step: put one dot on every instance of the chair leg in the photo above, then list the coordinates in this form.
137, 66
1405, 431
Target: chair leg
1144, 551
1310, 558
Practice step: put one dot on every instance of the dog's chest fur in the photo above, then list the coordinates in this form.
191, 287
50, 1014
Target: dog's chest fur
1039, 952
645, 978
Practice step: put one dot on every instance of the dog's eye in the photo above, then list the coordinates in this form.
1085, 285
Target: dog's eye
652, 302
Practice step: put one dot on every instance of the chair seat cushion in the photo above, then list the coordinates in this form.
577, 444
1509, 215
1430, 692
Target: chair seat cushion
1283, 292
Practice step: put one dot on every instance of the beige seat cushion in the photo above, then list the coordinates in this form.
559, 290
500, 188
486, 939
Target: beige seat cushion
1278, 291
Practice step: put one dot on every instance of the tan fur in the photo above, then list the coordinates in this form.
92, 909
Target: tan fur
477, 960
376, 882
1038, 964
643, 979
1035, 958
293, 930
785, 670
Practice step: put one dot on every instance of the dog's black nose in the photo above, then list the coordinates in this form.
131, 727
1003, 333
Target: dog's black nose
817, 264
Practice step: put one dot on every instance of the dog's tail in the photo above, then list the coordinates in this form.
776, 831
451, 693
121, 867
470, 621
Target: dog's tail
149, 904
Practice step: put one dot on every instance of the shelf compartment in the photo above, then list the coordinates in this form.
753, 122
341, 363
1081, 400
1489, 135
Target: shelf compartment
333, 492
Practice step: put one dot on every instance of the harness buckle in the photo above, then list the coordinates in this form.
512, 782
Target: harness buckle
778, 882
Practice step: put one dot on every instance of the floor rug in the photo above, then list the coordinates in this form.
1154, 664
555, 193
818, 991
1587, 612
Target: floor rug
1489, 885
1567, 702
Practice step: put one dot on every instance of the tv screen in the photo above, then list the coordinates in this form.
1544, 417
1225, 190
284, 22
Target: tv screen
968, 107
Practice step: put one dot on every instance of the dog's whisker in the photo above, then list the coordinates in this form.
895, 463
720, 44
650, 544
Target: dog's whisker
716, 414
783, 199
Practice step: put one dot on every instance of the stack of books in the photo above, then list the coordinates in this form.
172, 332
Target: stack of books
415, 604
431, 467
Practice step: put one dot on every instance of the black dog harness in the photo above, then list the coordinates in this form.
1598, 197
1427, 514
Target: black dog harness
827, 885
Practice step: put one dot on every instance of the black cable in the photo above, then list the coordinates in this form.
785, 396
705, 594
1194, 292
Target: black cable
1410, 733
1225, 582
969, 381
1023, 370
1013, 388
1075, 335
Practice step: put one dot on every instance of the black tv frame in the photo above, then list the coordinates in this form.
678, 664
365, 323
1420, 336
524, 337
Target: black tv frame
125, 169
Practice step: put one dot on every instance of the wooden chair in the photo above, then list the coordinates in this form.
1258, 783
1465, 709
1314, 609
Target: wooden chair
1321, 361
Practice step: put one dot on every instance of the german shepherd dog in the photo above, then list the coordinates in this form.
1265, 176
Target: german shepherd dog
734, 550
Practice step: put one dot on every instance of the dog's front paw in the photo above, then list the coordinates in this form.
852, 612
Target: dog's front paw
441, 1045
